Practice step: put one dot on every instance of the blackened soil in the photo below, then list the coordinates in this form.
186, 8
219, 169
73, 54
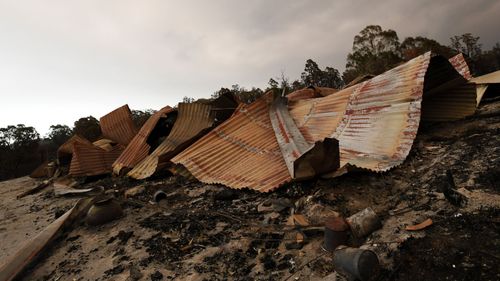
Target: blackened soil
463, 247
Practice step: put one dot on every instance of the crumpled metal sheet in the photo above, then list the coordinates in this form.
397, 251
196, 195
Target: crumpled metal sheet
303, 160
118, 125
139, 148
461, 66
490, 78
91, 160
241, 152
484, 82
65, 151
193, 120
375, 122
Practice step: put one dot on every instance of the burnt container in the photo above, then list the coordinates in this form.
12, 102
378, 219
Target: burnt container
364, 223
336, 233
103, 211
355, 263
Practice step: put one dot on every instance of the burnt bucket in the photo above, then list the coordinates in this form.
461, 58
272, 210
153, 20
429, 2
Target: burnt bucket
355, 263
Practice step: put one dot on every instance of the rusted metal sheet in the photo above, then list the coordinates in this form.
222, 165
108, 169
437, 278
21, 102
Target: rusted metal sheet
118, 125
318, 118
375, 122
139, 147
484, 82
104, 144
490, 78
303, 160
65, 151
91, 160
242, 152
461, 66
193, 121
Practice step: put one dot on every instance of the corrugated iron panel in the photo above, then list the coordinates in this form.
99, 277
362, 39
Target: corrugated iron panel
65, 151
90, 160
242, 152
461, 66
383, 114
138, 148
118, 125
382, 117
104, 144
193, 119
303, 159
490, 78
318, 118
375, 121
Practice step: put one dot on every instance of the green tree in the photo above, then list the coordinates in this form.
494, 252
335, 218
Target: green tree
314, 76
18, 150
412, 47
466, 44
140, 117
59, 134
488, 61
374, 51
87, 127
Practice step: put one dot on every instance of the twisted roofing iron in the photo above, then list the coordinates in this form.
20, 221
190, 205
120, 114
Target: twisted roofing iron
139, 148
118, 125
375, 123
193, 121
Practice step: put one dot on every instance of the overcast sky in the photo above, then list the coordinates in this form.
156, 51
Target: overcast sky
61, 60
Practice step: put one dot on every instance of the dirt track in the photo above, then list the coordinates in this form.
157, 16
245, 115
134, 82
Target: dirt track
205, 232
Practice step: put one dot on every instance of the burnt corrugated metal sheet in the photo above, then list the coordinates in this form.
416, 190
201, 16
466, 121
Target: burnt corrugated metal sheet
118, 125
65, 151
375, 122
242, 152
90, 160
461, 66
138, 148
483, 83
303, 159
490, 78
193, 120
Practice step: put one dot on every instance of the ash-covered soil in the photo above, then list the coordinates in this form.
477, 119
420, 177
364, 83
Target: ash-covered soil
209, 232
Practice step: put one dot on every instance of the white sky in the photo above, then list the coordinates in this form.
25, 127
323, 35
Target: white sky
62, 60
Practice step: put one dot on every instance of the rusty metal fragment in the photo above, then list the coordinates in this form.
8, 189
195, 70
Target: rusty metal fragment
193, 121
118, 125
91, 160
303, 160
241, 152
159, 124
460, 65
65, 151
375, 122
420, 226
487, 85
